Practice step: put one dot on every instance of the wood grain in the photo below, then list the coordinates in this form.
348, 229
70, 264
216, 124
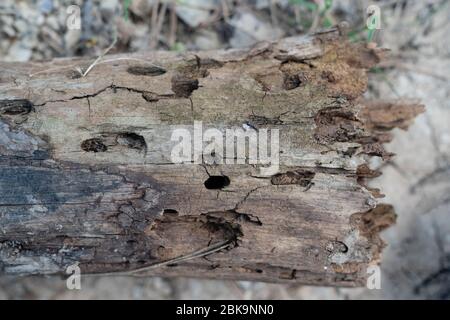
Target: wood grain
86, 173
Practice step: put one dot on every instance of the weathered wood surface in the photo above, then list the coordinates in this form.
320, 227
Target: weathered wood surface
86, 175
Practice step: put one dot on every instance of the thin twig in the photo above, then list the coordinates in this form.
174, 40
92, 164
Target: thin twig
161, 17
196, 254
102, 55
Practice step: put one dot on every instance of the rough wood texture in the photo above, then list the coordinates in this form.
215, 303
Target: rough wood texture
86, 174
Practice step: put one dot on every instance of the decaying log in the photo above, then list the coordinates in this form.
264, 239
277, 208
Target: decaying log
86, 174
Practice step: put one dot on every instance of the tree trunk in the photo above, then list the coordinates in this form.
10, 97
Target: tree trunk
88, 177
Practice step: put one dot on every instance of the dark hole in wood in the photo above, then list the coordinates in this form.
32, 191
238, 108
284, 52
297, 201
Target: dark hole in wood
183, 86
132, 140
146, 70
15, 107
170, 212
93, 145
291, 81
217, 182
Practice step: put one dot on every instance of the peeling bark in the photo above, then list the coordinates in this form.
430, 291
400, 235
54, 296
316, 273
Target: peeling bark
87, 178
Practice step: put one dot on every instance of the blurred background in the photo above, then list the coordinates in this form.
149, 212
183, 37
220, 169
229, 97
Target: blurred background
416, 261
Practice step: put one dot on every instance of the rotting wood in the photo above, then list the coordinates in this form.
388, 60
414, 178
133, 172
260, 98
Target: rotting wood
87, 178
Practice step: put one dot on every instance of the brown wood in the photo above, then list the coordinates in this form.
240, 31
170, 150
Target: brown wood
86, 173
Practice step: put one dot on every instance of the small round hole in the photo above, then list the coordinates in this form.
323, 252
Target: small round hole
217, 182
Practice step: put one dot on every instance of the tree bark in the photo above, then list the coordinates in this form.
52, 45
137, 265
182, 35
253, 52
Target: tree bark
87, 176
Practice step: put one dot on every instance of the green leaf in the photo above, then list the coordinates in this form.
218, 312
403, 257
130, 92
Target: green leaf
126, 5
178, 47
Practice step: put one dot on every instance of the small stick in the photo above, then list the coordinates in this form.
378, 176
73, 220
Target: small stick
196, 254
101, 56
159, 24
